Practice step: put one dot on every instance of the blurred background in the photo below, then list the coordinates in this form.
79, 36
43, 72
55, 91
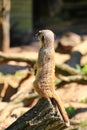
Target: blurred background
19, 21
26, 17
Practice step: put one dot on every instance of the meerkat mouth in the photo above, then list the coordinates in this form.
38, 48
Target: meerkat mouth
36, 35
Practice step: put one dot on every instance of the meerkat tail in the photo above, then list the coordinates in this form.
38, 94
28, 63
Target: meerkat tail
61, 109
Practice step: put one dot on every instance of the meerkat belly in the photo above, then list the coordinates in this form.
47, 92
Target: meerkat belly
44, 83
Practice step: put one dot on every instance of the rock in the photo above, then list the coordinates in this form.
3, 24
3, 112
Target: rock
74, 59
67, 42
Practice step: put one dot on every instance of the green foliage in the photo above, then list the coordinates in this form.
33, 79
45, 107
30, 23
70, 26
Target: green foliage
82, 69
84, 100
21, 13
1, 74
20, 73
78, 67
57, 81
17, 73
83, 123
70, 110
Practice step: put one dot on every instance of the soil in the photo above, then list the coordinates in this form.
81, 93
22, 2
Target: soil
72, 94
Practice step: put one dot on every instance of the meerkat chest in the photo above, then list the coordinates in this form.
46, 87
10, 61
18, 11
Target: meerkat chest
45, 57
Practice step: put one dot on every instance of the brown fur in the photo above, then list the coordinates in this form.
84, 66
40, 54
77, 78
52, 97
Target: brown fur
44, 81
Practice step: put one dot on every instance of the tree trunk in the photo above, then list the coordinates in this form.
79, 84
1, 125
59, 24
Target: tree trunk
43, 116
5, 25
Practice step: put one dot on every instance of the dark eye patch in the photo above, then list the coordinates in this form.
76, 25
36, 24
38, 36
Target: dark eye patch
42, 38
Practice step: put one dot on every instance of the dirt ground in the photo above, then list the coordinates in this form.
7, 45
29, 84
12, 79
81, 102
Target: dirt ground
74, 95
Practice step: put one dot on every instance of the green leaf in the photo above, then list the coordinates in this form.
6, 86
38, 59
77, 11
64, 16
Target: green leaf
70, 110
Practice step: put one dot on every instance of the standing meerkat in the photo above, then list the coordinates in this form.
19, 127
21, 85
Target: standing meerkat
45, 76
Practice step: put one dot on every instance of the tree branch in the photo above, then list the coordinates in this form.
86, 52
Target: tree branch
6, 57
74, 78
65, 69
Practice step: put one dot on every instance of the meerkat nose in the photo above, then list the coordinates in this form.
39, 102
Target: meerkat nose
37, 34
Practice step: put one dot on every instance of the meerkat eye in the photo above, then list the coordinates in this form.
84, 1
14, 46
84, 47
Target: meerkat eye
42, 39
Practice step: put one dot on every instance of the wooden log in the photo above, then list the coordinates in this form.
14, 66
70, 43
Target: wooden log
43, 116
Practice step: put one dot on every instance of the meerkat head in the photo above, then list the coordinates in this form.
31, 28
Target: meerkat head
46, 37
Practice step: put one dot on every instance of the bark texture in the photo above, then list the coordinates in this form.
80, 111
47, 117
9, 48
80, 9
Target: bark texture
43, 116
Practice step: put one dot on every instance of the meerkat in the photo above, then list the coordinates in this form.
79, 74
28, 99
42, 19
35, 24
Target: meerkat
45, 75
